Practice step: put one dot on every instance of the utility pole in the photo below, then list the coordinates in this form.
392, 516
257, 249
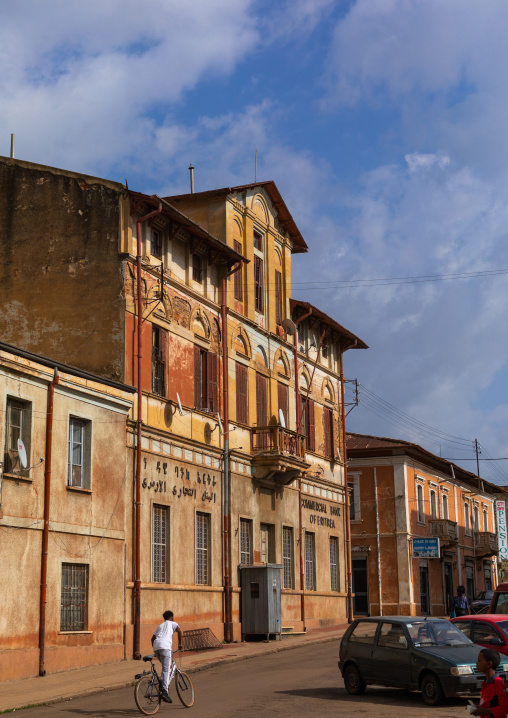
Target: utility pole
477, 450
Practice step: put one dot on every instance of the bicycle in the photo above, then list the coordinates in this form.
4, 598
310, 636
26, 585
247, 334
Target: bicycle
148, 688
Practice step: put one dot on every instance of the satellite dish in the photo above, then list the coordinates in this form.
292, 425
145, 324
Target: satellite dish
289, 326
22, 454
221, 430
282, 420
180, 408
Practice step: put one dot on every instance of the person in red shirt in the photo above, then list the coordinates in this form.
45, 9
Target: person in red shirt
494, 701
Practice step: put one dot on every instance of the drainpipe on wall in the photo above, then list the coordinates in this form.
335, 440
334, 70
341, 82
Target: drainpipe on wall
300, 520
225, 413
349, 598
137, 559
378, 545
45, 531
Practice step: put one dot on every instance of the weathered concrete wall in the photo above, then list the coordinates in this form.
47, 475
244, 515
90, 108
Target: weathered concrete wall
61, 280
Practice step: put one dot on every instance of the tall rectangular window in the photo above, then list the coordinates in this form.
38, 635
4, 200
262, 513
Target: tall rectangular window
159, 360
328, 431
197, 268
74, 597
206, 380
310, 562
445, 506
246, 541
334, 564
202, 549
287, 557
420, 507
467, 523
241, 393
258, 241
309, 426
258, 285
433, 505
156, 244
354, 498
282, 393
79, 470
17, 426
238, 275
261, 400
278, 297
160, 544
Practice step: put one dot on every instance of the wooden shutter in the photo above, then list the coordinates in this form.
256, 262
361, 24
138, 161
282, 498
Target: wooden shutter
282, 392
241, 393
212, 374
238, 275
328, 431
278, 297
197, 378
310, 426
163, 345
258, 284
261, 400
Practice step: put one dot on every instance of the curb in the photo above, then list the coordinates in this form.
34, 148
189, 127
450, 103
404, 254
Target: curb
189, 669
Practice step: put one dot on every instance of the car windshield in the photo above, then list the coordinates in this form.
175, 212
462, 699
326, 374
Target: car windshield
436, 633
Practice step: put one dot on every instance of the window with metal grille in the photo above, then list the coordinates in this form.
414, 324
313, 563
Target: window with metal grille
206, 380
156, 244
278, 297
197, 268
245, 541
238, 275
74, 597
241, 394
287, 557
80, 447
159, 354
334, 564
202, 549
160, 544
310, 562
328, 431
258, 285
17, 426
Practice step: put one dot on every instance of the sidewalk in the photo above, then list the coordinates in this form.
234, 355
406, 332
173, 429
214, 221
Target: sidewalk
93, 679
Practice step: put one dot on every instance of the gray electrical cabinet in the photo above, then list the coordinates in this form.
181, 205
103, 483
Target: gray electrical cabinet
261, 612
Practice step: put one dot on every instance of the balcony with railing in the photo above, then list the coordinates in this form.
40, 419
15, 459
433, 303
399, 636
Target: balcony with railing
445, 529
278, 453
486, 544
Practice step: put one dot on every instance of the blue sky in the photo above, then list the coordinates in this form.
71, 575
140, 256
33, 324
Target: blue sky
383, 124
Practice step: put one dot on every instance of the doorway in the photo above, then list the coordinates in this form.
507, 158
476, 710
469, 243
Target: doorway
424, 589
448, 585
360, 587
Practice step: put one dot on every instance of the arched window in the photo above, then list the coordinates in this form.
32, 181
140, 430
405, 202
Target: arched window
419, 501
433, 505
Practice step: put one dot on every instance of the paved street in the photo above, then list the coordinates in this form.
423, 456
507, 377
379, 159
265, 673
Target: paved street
303, 681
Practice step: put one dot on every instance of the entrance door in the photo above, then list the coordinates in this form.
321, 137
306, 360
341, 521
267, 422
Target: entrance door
424, 590
360, 587
470, 582
487, 573
448, 580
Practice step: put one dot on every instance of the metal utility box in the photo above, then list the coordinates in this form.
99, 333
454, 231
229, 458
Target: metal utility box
261, 612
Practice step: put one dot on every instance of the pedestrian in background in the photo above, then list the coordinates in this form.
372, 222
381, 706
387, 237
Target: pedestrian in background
460, 605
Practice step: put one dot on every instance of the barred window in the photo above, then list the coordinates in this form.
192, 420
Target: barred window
334, 564
159, 360
74, 599
156, 244
245, 541
160, 544
80, 447
310, 562
287, 557
197, 268
202, 549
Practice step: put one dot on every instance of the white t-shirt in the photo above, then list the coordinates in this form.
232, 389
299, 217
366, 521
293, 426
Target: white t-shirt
164, 636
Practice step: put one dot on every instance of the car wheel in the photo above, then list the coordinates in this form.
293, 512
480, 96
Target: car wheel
432, 693
353, 681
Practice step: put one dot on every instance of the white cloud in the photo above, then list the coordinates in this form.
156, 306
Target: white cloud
417, 161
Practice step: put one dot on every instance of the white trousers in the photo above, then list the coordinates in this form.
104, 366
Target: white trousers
164, 657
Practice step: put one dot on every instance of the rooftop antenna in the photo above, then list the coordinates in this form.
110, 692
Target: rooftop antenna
256, 167
13, 137
191, 170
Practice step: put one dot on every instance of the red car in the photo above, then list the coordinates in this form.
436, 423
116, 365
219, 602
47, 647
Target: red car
486, 629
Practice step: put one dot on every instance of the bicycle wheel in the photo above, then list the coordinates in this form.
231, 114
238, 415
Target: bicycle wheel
147, 695
184, 688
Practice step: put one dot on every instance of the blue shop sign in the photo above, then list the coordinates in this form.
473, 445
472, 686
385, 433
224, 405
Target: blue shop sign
425, 547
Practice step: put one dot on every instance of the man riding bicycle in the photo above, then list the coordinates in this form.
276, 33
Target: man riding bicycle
162, 643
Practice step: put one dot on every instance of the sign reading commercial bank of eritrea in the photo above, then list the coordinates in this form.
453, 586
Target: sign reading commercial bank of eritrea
321, 508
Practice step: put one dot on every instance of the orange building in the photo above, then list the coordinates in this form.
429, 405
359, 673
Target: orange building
399, 492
